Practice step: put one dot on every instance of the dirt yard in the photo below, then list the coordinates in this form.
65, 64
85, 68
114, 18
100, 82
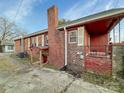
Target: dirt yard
17, 77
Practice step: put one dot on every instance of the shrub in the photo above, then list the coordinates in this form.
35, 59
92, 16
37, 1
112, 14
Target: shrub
121, 73
0, 48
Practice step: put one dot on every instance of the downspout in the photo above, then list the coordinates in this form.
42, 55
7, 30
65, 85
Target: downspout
22, 44
14, 47
65, 46
119, 32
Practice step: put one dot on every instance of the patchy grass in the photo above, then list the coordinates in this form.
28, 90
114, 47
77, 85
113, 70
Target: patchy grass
121, 74
5, 64
103, 81
21, 60
50, 66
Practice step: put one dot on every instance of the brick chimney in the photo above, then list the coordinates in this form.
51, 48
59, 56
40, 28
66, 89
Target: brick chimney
56, 55
52, 17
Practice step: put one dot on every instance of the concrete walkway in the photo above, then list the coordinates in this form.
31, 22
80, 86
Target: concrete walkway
44, 80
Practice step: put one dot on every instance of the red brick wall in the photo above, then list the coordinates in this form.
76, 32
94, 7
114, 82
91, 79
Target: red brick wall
73, 49
26, 44
56, 48
56, 39
18, 43
102, 66
39, 39
86, 41
99, 40
35, 52
17, 46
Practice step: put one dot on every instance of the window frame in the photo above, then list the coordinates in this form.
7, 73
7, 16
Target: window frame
10, 47
46, 40
69, 38
33, 40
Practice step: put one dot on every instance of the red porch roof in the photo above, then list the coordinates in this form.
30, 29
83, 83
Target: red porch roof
102, 26
99, 23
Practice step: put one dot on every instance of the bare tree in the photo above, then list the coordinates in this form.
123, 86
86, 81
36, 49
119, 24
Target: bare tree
8, 30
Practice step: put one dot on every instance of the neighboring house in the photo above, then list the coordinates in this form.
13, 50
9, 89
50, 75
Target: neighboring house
8, 47
84, 41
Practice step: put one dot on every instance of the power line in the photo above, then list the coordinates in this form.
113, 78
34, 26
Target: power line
94, 7
116, 3
18, 9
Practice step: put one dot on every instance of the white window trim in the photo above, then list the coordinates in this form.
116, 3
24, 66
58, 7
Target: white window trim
42, 39
29, 43
37, 43
69, 37
33, 40
83, 30
8, 48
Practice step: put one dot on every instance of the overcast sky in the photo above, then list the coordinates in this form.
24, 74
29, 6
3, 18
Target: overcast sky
32, 14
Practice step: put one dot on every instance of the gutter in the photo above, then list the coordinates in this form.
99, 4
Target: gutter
65, 46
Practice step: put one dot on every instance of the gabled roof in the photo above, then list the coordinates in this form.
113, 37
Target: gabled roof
100, 15
93, 17
32, 34
36, 33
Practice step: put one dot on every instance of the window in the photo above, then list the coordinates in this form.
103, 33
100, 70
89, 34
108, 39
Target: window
46, 39
32, 42
81, 36
72, 36
10, 47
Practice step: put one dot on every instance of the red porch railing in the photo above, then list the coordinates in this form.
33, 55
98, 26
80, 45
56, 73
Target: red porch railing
98, 51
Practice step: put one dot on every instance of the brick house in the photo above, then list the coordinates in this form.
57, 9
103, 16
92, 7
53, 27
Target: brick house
84, 41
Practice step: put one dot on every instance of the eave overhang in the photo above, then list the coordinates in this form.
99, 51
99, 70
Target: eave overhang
95, 17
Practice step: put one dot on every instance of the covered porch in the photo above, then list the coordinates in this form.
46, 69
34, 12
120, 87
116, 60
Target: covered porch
97, 37
98, 44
